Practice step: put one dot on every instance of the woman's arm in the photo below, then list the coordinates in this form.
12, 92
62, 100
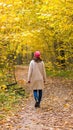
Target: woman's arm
30, 72
44, 72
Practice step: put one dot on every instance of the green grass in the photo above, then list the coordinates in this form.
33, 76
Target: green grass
10, 99
60, 73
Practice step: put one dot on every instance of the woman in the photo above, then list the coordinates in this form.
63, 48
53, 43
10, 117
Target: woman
37, 77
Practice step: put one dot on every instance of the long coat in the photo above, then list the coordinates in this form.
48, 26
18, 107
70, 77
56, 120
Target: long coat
36, 75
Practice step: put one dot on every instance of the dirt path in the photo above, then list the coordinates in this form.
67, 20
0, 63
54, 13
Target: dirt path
56, 112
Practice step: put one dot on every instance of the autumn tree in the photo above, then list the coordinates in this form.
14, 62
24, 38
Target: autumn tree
29, 25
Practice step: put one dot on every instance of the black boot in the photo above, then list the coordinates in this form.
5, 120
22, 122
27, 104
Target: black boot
37, 104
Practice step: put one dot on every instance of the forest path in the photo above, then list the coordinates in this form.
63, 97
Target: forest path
56, 111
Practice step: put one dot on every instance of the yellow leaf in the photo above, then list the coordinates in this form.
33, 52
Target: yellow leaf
66, 105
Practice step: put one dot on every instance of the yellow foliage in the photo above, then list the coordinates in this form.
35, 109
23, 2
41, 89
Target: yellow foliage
49, 66
1, 74
3, 87
36, 25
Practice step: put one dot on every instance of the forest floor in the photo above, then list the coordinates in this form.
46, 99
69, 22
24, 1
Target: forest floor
55, 113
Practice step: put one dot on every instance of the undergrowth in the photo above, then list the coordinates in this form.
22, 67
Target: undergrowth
10, 99
60, 73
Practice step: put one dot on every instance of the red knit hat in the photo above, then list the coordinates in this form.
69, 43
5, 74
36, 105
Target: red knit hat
37, 54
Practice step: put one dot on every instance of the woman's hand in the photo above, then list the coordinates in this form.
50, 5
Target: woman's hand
44, 81
28, 81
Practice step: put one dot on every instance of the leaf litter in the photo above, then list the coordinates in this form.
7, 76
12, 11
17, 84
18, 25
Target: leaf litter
55, 113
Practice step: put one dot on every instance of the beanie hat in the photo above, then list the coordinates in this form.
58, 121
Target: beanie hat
37, 54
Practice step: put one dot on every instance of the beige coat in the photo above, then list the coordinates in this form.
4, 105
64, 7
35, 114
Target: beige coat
36, 75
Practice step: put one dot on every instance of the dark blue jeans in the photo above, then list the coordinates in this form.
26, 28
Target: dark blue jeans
37, 95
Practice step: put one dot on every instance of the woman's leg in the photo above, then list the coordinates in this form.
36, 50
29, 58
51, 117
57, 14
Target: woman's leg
36, 97
40, 95
35, 92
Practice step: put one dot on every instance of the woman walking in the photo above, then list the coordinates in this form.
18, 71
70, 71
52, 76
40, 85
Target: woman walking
37, 77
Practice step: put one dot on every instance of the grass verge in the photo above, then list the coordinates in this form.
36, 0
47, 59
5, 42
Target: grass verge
10, 100
60, 73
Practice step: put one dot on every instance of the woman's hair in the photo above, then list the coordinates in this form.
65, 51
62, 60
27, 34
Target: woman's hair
37, 59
